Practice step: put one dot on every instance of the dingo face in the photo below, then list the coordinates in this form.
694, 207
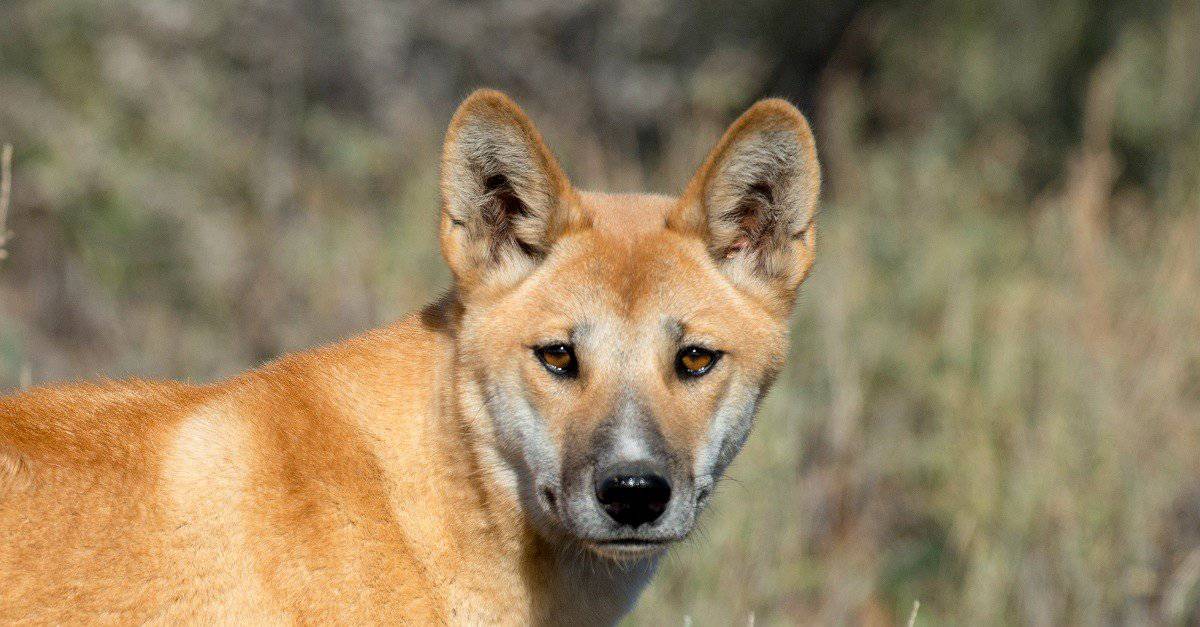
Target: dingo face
618, 345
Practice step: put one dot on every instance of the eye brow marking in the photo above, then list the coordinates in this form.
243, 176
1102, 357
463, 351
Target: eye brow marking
579, 331
675, 329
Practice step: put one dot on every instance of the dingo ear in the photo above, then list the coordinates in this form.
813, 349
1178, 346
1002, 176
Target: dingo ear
754, 199
504, 198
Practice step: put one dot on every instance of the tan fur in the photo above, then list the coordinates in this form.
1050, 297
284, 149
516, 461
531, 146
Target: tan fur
367, 481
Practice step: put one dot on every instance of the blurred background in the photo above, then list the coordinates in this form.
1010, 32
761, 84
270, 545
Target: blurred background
993, 399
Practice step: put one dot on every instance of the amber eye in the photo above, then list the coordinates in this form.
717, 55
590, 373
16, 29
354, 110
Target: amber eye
694, 361
559, 359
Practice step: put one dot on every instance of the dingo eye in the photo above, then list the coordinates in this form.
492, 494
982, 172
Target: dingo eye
694, 361
559, 359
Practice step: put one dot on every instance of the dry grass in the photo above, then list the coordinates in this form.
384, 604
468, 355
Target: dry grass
5, 192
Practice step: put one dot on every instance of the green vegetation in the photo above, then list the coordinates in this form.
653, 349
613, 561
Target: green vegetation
993, 400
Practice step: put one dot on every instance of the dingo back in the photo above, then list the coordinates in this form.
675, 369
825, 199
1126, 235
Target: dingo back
521, 451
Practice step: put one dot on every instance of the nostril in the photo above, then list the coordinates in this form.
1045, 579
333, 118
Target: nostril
634, 500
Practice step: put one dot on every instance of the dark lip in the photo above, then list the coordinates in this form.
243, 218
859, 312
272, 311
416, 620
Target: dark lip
631, 542
628, 548
631, 546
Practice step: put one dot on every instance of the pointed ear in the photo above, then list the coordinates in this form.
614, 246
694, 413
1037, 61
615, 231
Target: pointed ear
754, 199
505, 200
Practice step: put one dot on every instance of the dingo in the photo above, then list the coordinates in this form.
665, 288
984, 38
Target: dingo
522, 451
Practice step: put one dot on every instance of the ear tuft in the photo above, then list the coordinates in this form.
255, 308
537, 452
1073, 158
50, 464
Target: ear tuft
754, 198
505, 200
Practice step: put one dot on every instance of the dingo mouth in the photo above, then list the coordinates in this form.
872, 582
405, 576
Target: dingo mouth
628, 548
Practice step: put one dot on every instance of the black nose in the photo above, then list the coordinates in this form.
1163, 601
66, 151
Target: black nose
633, 499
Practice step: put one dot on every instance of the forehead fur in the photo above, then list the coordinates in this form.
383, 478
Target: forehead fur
640, 270
636, 233
625, 217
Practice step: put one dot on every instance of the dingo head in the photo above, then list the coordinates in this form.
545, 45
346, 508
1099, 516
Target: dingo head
617, 346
